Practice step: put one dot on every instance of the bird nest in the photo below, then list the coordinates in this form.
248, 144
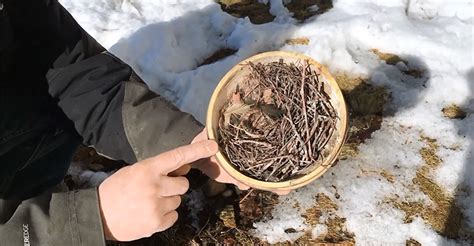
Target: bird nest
278, 122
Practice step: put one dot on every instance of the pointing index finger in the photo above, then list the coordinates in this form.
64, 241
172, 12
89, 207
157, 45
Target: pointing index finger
174, 159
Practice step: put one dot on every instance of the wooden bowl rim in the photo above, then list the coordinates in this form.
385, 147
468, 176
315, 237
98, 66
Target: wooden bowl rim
293, 183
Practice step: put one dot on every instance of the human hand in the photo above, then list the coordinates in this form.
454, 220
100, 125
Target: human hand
211, 168
142, 199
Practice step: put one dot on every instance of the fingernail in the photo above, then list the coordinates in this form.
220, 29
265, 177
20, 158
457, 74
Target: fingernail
211, 146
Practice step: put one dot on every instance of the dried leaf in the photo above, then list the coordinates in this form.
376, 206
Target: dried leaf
236, 98
227, 215
237, 108
267, 96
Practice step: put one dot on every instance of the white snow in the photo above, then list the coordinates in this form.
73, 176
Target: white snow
287, 217
281, 13
166, 40
319, 230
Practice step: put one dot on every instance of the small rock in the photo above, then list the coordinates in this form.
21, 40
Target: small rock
290, 230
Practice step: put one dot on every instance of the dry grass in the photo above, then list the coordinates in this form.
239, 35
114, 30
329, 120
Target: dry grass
453, 111
444, 216
336, 230
307, 239
349, 150
378, 173
392, 59
362, 98
297, 41
412, 242
348, 82
227, 215
362, 127
366, 105
388, 176
389, 58
323, 204
367, 99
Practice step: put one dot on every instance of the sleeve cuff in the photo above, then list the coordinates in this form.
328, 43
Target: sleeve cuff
152, 124
85, 218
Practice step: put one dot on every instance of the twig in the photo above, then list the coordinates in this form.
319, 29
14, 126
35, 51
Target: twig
246, 195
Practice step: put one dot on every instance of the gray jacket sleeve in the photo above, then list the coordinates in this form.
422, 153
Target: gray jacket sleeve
112, 110
70, 218
110, 106
115, 112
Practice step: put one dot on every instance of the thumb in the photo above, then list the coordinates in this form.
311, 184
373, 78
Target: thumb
174, 159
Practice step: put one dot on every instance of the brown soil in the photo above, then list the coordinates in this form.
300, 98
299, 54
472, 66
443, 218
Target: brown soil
257, 12
301, 11
218, 55
366, 104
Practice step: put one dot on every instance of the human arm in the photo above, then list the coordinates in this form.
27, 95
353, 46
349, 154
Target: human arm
111, 107
135, 202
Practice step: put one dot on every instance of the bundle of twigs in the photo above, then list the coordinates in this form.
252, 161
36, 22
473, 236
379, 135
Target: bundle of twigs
278, 122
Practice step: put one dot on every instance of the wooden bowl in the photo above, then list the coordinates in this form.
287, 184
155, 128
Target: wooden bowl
227, 86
